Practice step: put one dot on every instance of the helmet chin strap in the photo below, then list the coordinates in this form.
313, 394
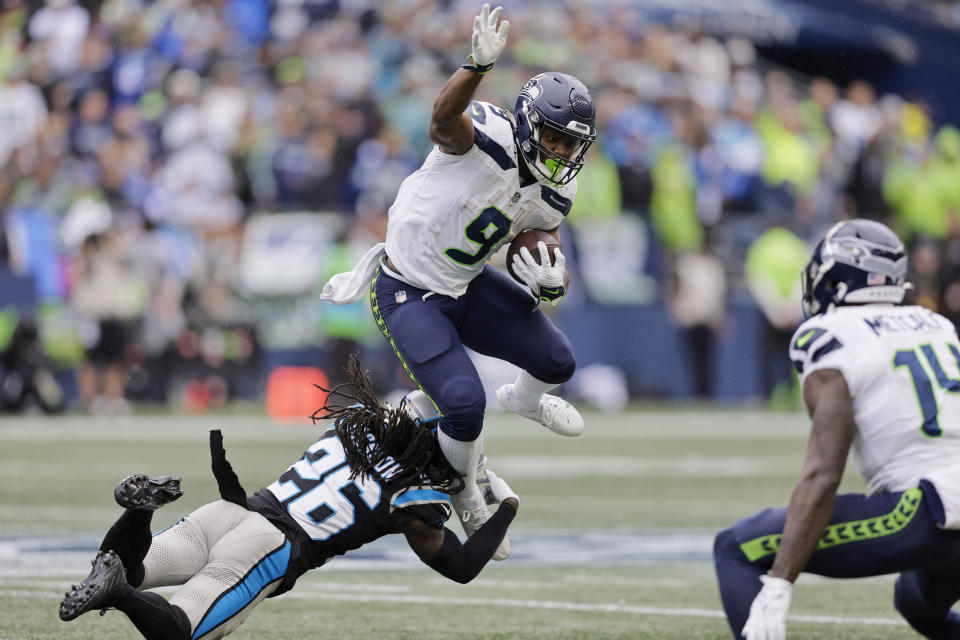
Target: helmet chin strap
521, 157
513, 121
527, 175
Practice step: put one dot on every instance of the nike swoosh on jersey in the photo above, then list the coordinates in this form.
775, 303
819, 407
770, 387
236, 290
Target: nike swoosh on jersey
474, 109
805, 338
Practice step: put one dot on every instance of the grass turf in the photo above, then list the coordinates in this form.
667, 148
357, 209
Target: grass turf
643, 471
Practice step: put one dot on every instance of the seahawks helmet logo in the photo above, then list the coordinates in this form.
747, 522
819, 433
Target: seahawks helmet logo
531, 89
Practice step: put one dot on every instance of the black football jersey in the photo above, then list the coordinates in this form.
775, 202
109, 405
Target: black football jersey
324, 512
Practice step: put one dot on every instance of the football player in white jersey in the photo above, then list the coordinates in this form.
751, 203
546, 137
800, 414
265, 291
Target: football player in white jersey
881, 381
374, 472
491, 175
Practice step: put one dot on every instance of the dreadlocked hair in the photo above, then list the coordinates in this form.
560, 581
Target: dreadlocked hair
375, 436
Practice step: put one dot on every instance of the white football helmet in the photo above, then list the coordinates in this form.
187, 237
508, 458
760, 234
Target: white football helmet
419, 406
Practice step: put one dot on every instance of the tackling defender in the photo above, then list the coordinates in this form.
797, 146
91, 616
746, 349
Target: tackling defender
492, 174
376, 471
883, 380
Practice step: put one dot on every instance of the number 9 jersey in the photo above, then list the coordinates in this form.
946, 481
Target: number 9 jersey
902, 367
455, 211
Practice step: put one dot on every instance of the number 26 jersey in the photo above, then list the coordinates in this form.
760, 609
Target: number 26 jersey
324, 512
455, 211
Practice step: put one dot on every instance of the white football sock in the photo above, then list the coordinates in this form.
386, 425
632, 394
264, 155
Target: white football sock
463, 456
527, 390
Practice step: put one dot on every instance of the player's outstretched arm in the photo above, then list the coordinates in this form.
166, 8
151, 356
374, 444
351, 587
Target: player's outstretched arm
450, 127
442, 550
811, 505
831, 434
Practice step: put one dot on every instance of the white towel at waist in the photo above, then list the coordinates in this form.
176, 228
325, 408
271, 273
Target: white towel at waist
350, 286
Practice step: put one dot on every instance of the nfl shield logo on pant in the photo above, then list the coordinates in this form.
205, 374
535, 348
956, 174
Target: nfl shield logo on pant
400, 296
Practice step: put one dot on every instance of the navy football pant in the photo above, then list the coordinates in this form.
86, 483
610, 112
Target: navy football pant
495, 317
887, 532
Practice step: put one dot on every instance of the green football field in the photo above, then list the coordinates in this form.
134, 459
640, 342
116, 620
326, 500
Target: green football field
612, 541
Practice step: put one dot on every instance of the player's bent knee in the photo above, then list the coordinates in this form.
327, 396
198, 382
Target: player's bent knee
928, 621
178, 627
564, 361
560, 364
462, 397
908, 600
725, 546
157, 619
465, 428
463, 404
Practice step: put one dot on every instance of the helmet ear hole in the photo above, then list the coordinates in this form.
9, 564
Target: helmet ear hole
833, 287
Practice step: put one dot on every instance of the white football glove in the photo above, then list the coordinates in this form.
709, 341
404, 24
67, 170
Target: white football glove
544, 280
499, 487
768, 613
488, 41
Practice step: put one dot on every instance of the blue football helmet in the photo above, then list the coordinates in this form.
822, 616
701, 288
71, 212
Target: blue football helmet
557, 101
857, 262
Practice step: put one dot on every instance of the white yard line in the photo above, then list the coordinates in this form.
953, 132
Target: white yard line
578, 606
522, 604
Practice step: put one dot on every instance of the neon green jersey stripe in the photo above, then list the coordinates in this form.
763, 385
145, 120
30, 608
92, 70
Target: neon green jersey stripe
382, 324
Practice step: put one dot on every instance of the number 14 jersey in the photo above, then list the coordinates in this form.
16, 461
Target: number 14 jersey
902, 366
455, 211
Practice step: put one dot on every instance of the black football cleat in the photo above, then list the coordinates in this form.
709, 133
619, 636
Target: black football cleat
98, 589
144, 493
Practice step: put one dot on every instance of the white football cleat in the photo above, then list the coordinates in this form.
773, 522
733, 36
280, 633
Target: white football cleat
473, 519
554, 413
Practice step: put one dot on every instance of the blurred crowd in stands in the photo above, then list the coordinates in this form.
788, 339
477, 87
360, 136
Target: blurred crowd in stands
140, 140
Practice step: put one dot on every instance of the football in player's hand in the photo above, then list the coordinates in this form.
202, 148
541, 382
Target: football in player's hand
530, 239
